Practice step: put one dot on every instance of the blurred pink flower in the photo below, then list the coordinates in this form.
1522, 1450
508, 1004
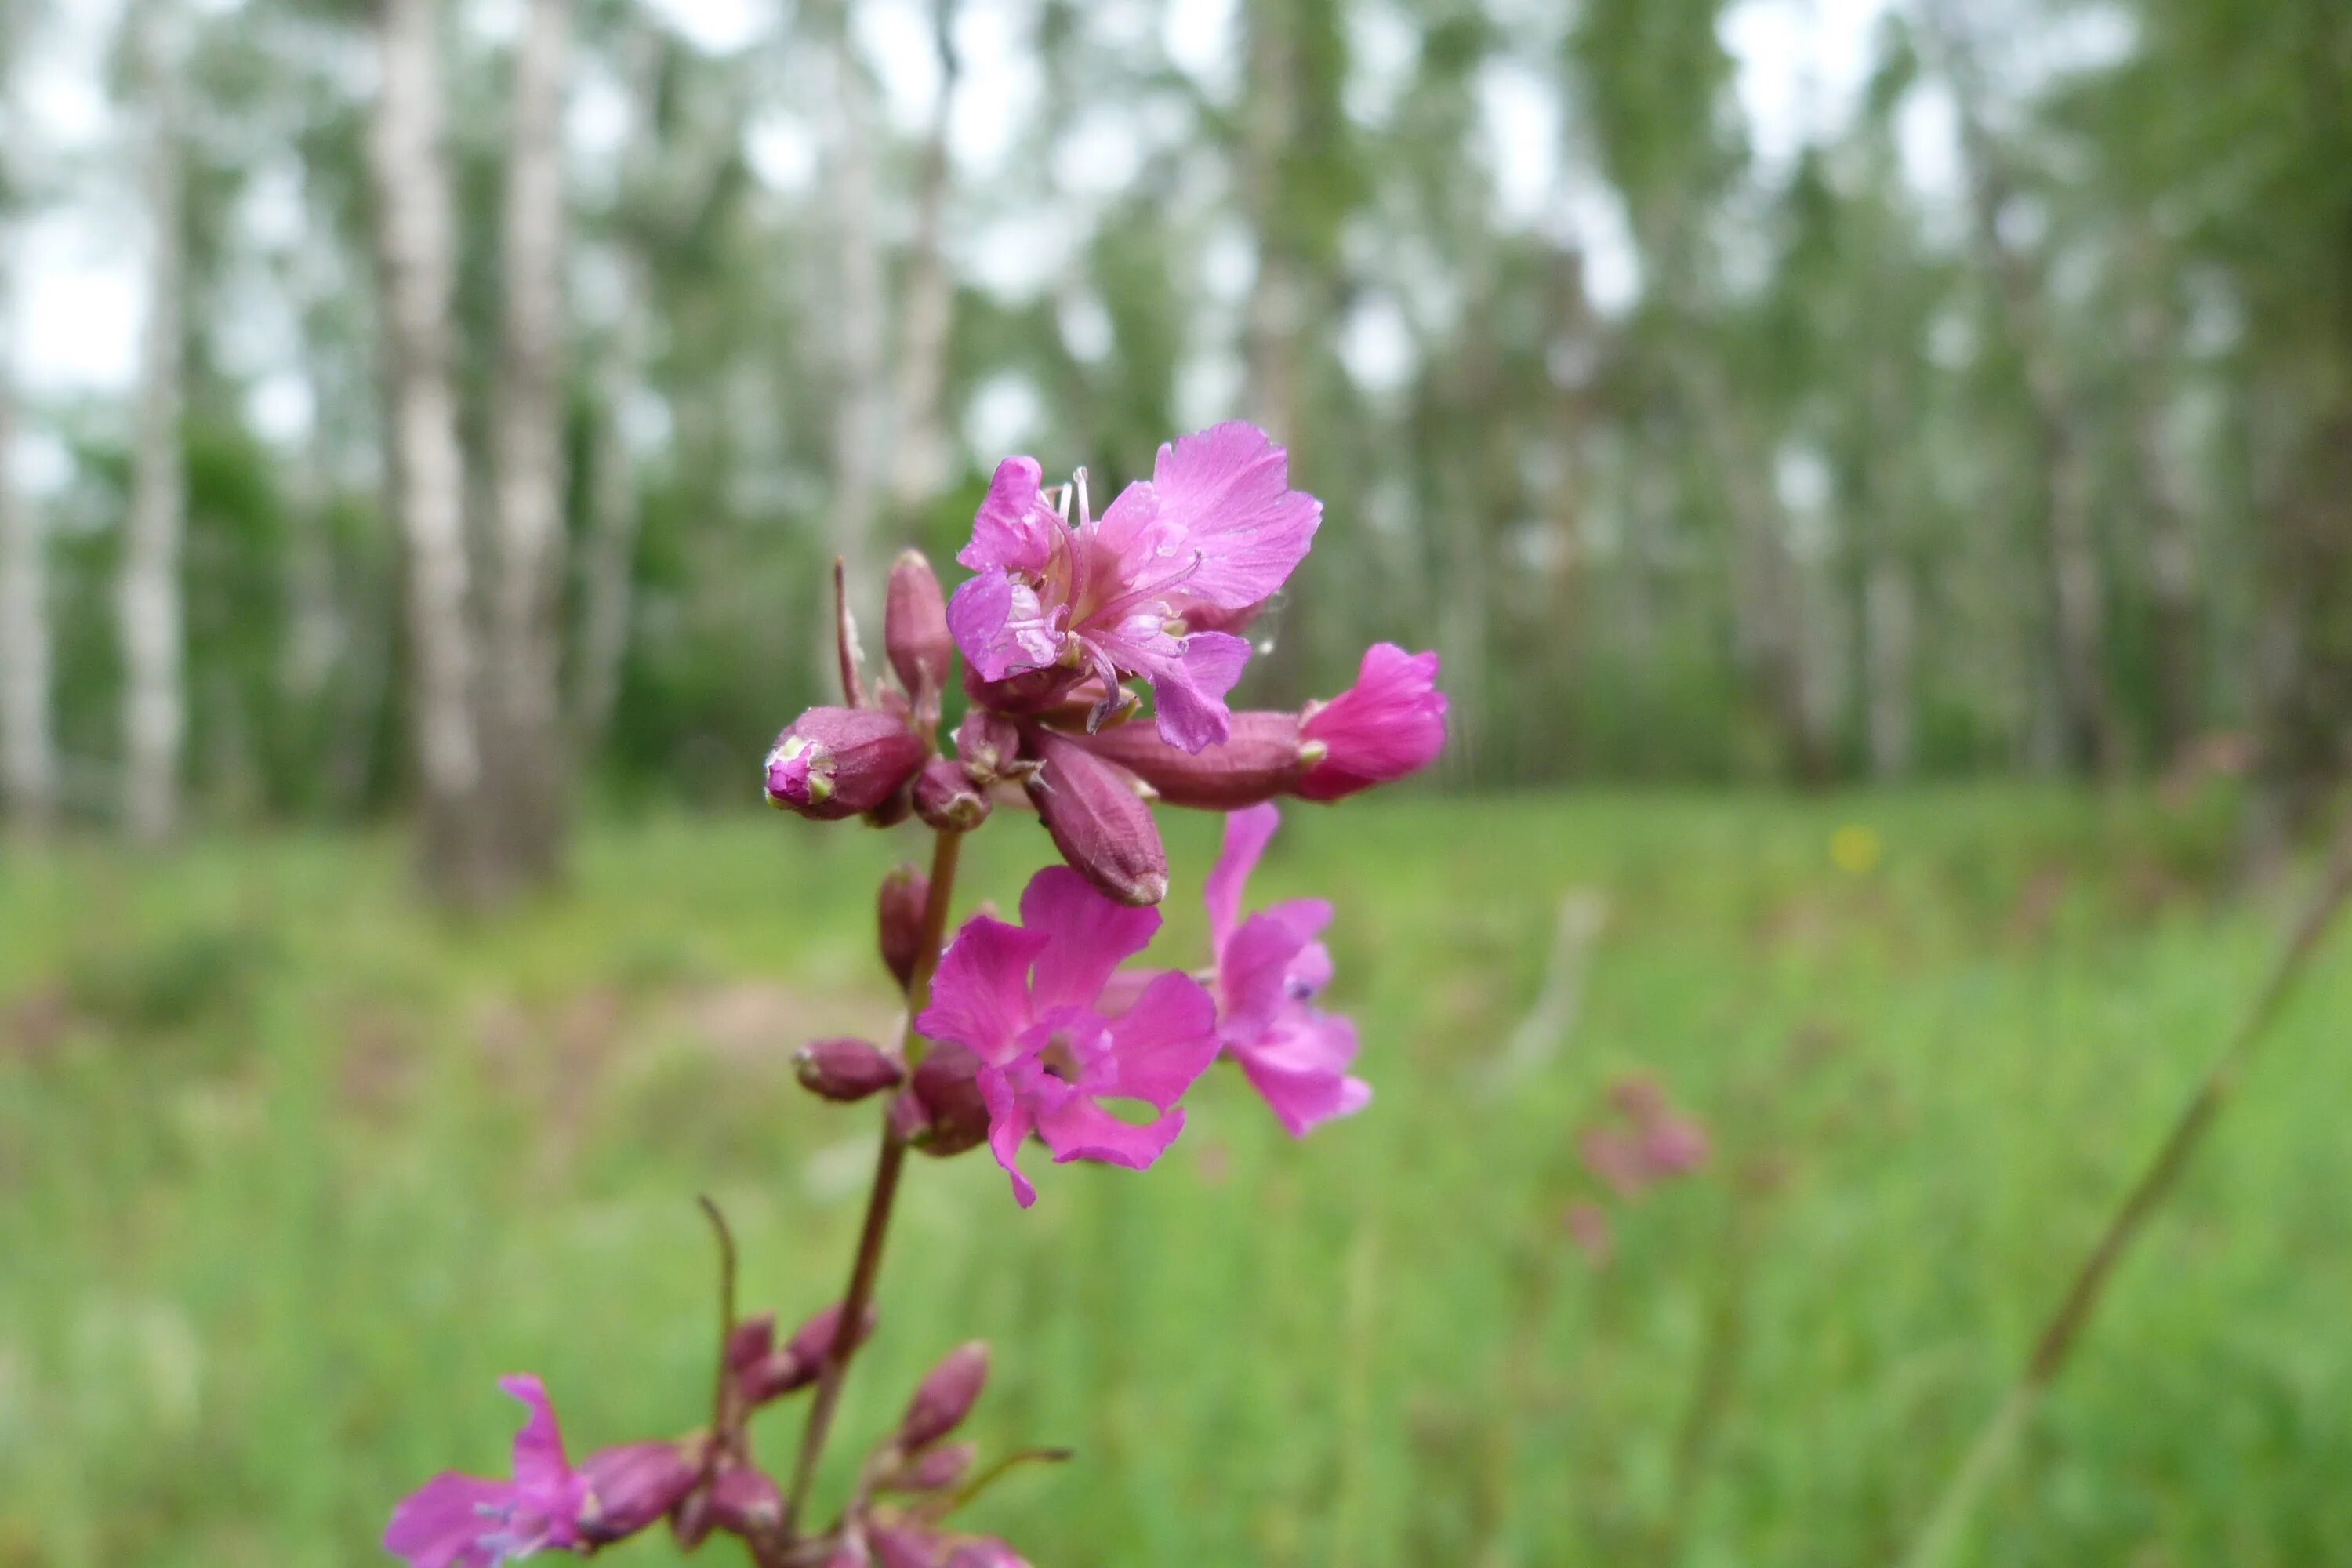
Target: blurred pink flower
1026, 1000
1269, 968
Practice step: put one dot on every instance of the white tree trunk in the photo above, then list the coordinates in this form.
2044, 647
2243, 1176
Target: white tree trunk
28, 764
527, 765
859, 418
415, 253
154, 709
606, 586
1890, 628
1270, 328
922, 457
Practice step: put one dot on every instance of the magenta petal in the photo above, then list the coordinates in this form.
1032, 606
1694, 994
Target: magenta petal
1090, 935
1228, 488
1188, 691
1001, 626
541, 1471
1390, 723
1158, 1046
1246, 832
980, 996
1301, 1074
1078, 1129
1009, 1123
1015, 530
1253, 970
451, 1522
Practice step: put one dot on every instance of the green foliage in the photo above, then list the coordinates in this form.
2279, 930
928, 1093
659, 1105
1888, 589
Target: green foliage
293, 1173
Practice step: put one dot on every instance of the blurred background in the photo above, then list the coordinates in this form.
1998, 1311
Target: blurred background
1879, 477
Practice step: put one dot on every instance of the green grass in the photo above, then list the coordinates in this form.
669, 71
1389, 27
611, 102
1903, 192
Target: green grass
290, 1170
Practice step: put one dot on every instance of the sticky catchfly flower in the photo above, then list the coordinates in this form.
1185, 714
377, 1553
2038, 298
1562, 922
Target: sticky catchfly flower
1269, 968
470, 1522
1026, 999
1215, 531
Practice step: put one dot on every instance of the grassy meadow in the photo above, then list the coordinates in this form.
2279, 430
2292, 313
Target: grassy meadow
290, 1170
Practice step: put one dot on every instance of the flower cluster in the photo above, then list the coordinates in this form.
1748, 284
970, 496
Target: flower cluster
1097, 657
1646, 1143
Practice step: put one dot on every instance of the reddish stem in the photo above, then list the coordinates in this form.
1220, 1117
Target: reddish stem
879, 1202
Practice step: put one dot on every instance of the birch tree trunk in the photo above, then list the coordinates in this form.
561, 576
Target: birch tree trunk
1890, 633
414, 255
921, 460
28, 764
154, 711
527, 763
2077, 593
606, 570
859, 418
1270, 346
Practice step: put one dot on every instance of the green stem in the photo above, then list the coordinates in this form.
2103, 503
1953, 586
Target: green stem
866, 1266
2065, 1328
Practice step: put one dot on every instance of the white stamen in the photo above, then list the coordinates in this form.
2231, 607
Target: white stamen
1085, 515
1062, 504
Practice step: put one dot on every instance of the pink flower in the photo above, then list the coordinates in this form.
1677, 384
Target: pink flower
467, 1521
1213, 531
1269, 968
1026, 1001
1390, 723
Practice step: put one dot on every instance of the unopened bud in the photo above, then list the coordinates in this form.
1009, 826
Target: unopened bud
833, 762
934, 1470
945, 799
1099, 820
749, 1341
1261, 757
903, 1546
985, 1553
689, 1523
945, 1396
630, 1486
1673, 1147
989, 746
942, 1113
744, 1501
845, 1069
898, 918
796, 1366
914, 632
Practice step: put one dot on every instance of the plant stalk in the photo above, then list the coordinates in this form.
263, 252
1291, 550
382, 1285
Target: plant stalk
868, 1264
2065, 1328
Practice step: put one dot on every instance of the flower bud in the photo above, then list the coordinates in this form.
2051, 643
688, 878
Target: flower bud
898, 918
946, 799
989, 746
796, 1366
942, 1113
1259, 759
1390, 723
903, 1546
689, 1524
845, 1069
833, 762
744, 1501
985, 1553
914, 632
1099, 820
934, 1470
945, 1396
750, 1340
630, 1486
